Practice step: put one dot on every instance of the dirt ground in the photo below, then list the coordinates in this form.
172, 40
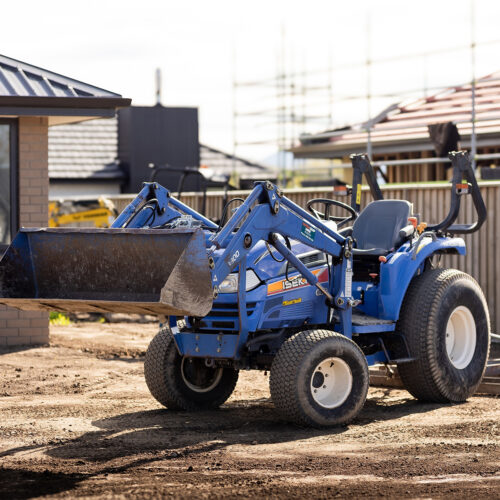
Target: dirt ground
76, 420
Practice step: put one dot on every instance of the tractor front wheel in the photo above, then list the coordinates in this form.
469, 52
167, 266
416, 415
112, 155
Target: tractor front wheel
184, 383
319, 378
446, 323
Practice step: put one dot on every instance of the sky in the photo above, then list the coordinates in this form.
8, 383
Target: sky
202, 47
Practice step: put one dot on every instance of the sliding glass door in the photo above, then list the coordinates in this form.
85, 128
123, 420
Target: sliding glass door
8, 180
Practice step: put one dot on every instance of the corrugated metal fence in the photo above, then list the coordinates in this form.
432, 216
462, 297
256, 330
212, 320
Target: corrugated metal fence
432, 202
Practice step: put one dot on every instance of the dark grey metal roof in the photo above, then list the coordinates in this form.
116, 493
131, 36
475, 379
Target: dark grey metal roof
29, 90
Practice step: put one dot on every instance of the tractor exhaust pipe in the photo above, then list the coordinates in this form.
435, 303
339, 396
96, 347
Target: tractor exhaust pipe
142, 271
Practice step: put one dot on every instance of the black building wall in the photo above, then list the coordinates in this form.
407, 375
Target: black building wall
159, 135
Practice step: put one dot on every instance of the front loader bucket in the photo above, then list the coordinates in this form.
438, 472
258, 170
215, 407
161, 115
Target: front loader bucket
144, 271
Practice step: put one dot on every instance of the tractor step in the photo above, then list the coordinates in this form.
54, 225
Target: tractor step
363, 323
361, 319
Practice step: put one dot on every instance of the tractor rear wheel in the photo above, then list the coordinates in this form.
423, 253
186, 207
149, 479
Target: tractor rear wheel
319, 378
446, 323
183, 383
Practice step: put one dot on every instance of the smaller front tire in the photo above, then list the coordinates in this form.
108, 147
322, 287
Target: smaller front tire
319, 378
183, 383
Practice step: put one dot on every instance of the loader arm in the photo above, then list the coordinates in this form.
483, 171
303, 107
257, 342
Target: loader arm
266, 215
154, 207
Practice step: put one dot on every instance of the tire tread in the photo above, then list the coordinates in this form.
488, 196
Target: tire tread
283, 383
164, 389
421, 377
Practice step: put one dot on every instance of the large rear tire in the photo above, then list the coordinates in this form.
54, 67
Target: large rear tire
182, 383
319, 378
446, 323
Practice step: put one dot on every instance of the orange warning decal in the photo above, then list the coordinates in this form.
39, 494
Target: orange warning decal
295, 281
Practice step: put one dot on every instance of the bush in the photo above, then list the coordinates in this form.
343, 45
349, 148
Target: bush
58, 318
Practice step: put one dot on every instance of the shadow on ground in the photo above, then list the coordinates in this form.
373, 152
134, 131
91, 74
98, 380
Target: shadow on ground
22, 483
129, 440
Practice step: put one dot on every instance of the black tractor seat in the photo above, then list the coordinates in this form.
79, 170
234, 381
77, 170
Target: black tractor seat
376, 230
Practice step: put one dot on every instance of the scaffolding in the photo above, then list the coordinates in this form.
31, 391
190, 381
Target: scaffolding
296, 102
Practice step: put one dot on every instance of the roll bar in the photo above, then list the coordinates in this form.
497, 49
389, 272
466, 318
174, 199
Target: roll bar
463, 183
361, 165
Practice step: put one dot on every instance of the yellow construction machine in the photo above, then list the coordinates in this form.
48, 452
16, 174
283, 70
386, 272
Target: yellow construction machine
82, 213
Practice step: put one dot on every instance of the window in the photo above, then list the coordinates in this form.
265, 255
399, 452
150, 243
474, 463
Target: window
8, 181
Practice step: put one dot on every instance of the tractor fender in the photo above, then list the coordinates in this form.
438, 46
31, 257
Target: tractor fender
397, 273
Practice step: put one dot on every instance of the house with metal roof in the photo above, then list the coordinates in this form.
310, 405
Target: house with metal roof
31, 100
401, 136
27, 90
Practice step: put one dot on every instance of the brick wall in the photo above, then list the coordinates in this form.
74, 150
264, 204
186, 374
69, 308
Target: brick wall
30, 327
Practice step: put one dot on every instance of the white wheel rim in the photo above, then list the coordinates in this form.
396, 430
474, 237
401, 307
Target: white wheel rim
197, 388
460, 337
331, 382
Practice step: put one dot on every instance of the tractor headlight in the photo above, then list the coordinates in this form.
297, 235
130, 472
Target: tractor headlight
230, 284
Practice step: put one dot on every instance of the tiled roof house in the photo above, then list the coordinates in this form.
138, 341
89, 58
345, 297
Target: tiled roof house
83, 159
401, 131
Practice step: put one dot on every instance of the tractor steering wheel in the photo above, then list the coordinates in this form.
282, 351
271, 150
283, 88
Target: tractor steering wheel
325, 216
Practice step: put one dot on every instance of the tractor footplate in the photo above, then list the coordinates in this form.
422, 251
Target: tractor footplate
362, 323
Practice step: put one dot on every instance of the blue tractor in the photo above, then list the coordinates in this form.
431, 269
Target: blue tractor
311, 297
